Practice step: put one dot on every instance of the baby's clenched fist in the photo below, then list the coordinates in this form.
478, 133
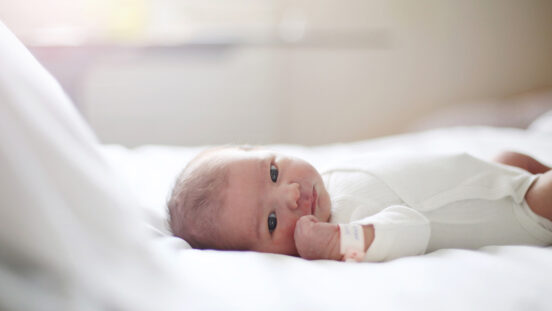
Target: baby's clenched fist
317, 240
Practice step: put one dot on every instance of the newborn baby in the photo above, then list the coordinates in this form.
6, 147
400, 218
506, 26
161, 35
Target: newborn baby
243, 198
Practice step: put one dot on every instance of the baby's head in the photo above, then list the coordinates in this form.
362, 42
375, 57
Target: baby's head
245, 199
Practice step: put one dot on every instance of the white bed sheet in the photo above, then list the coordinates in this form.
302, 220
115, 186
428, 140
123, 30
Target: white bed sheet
492, 278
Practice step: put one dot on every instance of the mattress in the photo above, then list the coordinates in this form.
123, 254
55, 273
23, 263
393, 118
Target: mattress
491, 278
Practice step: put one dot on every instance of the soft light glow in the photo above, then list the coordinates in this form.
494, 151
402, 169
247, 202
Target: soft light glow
160, 22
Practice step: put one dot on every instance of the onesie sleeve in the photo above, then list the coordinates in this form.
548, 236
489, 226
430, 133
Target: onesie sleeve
399, 231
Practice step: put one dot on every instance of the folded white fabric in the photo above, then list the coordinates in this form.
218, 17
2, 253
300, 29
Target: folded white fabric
70, 235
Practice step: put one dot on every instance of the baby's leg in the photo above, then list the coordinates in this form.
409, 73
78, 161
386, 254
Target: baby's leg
522, 161
539, 196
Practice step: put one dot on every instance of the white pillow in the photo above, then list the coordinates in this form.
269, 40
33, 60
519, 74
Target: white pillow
542, 123
69, 232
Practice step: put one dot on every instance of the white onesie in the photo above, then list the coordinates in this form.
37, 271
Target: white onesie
419, 204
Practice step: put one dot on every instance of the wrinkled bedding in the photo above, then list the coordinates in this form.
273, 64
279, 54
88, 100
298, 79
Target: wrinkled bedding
494, 277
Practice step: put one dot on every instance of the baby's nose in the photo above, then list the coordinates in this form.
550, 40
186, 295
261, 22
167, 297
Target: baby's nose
293, 195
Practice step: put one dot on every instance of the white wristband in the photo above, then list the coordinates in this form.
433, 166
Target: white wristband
352, 242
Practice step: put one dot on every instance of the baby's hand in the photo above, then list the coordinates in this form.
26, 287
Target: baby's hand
317, 240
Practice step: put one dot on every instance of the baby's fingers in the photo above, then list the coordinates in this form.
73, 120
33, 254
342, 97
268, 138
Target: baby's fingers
306, 221
316, 240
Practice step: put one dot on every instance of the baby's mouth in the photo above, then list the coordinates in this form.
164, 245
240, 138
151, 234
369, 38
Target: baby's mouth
314, 200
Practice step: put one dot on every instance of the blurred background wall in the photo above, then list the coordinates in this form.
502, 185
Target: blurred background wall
307, 72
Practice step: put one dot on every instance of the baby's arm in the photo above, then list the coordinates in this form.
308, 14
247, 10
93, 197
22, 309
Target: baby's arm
396, 231
321, 240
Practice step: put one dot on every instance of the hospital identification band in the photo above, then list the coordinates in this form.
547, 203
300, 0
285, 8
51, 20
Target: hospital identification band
352, 242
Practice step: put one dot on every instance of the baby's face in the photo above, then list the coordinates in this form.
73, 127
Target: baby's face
266, 195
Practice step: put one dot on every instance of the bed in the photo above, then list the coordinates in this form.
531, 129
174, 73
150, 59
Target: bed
83, 225
505, 277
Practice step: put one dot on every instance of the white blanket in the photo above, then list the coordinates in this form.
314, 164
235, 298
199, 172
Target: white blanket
70, 235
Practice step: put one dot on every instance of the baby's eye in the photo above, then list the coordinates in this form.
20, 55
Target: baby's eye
273, 173
272, 222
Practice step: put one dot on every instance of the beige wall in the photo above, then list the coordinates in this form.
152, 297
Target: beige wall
359, 69
440, 52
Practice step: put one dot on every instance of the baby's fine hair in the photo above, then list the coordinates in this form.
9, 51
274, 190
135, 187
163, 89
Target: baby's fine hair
195, 200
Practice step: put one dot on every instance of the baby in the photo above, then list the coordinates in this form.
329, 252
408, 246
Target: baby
244, 198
